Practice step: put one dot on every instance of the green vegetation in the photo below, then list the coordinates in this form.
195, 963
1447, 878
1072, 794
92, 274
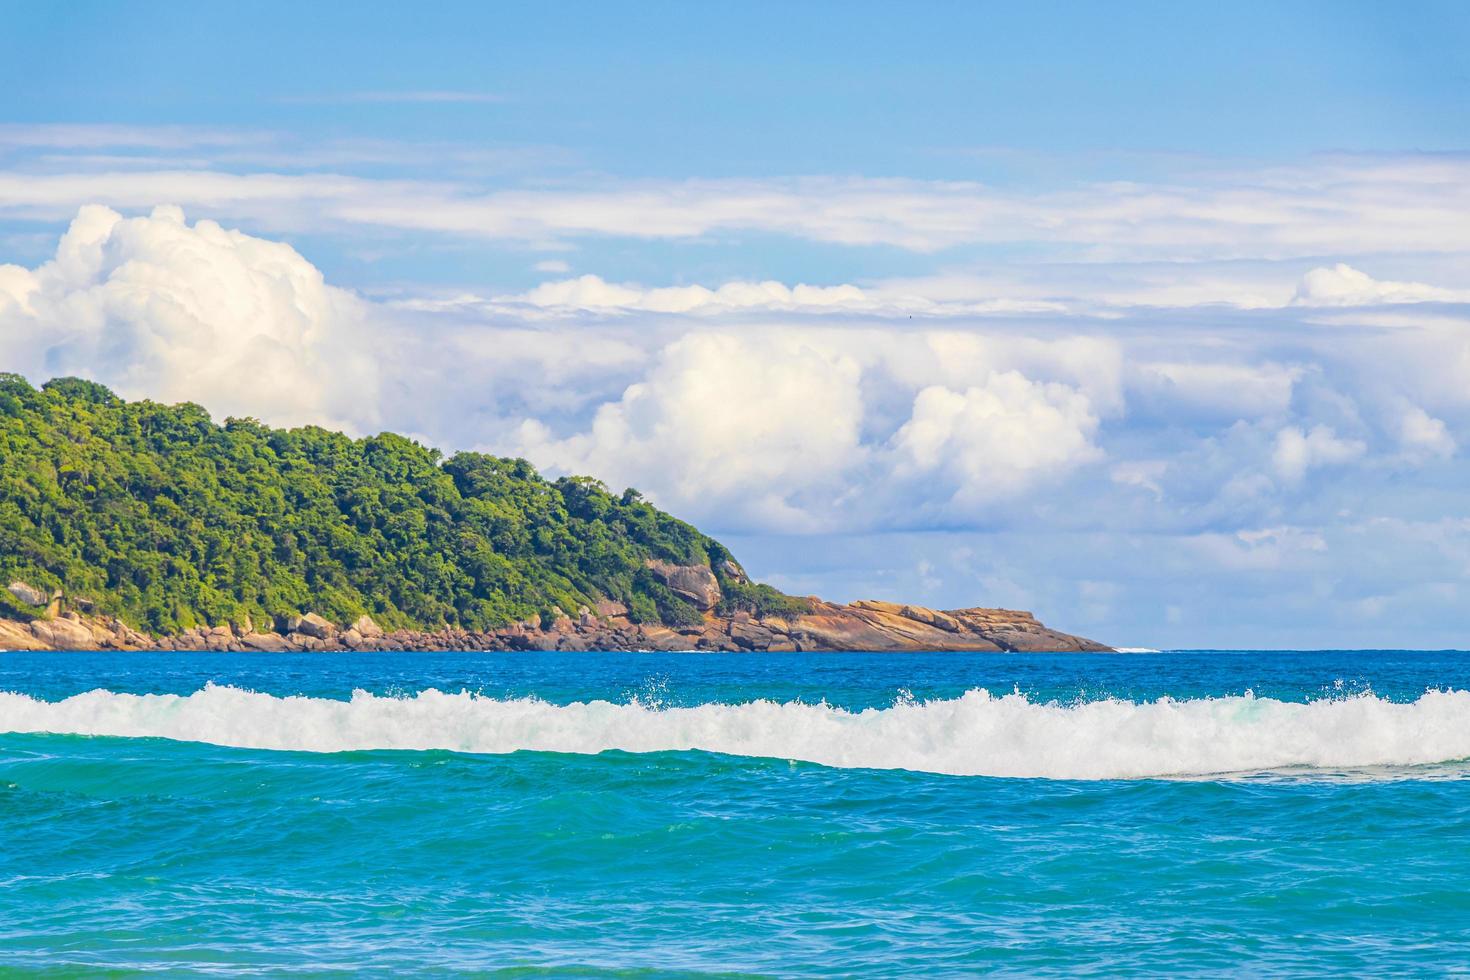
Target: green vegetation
757, 599
168, 521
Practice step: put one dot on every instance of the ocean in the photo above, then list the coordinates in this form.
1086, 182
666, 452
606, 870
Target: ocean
669, 815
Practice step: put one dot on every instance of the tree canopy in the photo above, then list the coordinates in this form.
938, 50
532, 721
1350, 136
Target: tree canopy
168, 520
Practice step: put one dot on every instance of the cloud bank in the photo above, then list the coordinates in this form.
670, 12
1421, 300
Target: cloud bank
1052, 447
1329, 206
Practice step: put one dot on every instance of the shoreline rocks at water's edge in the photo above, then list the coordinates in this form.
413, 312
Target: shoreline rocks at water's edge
863, 625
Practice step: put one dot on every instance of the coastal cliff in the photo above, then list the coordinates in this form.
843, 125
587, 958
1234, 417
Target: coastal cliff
863, 625
134, 525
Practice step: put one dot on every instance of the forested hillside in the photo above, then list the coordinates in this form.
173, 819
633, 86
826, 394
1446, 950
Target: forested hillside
164, 518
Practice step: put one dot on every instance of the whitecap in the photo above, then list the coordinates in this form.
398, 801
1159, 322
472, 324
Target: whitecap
977, 733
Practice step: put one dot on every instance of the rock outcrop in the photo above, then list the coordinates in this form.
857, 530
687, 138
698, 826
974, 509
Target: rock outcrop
823, 626
28, 594
694, 583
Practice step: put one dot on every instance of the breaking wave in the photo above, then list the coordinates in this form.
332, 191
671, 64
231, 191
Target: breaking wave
977, 733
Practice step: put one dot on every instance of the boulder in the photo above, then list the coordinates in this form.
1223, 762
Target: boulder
694, 583
751, 636
63, 634
610, 609
366, 627
733, 571
315, 626
18, 636
28, 594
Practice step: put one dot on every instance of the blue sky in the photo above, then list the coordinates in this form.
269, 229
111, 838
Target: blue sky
1154, 318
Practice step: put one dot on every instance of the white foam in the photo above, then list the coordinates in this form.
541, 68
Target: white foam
975, 734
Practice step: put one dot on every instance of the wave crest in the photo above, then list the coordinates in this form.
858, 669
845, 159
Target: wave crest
975, 734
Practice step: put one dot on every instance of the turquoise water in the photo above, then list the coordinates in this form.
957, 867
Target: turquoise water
784, 815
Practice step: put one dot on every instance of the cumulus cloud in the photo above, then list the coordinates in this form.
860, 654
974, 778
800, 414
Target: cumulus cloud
159, 308
993, 440
783, 428
1297, 451
1342, 285
724, 422
1424, 436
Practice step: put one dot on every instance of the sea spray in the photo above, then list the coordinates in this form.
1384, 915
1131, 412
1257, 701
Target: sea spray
977, 733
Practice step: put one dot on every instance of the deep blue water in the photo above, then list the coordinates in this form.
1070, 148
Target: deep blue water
786, 815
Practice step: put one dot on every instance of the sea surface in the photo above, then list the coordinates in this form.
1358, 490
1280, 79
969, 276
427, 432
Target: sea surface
663, 815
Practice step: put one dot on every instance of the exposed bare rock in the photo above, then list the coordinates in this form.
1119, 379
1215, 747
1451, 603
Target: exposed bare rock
695, 583
608, 609
28, 594
18, 636
751, 636
367, 628
932, 617
863, 625
63, 634
315, 626
873, 625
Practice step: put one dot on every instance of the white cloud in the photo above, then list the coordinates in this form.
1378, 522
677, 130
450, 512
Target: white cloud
594, 294
158, 308
779, 427
721, 421
1326, 207
1144, 474
1231, 391
1297, 452
552, 265
591, 294
1260, 549
995, 439
1342, 285
1424, 436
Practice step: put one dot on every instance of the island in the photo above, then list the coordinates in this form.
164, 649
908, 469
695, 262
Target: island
138, 526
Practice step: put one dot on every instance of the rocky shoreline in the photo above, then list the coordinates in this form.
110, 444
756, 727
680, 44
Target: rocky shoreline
863, 625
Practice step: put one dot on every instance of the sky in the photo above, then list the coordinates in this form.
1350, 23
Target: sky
1151, 318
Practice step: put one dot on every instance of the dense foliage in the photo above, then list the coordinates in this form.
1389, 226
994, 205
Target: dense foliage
168, 520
